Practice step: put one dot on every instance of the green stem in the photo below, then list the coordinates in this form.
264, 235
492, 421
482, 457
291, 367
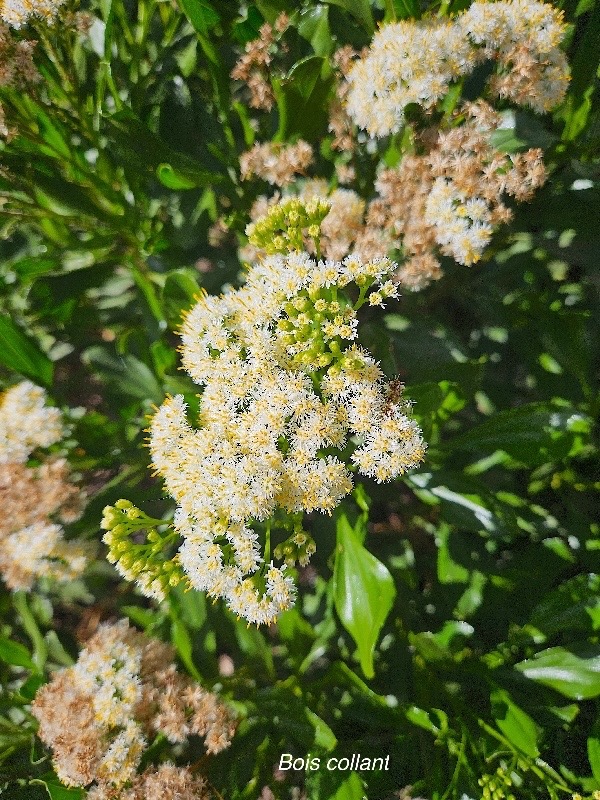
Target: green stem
268, 543
147, 288
40, 651
455, 774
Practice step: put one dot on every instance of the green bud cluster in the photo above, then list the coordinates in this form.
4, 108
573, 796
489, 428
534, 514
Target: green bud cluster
144, 562
496, 786
286, 226
299, 547
314, 326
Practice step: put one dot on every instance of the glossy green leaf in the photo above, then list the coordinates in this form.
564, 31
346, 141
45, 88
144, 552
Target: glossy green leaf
324, 784
15, 654
571, 606
593, 751
363, 592
573, 673
178, 295
314, 26
201, 14
173, 179
21, 353
360, 10
325, 738
515, 724
304, 75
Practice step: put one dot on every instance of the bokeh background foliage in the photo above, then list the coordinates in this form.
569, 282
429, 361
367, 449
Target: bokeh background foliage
475, 648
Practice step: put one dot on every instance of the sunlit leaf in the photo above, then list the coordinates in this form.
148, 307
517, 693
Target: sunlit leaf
363, 591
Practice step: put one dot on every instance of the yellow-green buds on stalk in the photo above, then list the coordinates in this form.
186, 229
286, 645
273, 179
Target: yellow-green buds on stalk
287, 225
299, 547
143, 562
496, 786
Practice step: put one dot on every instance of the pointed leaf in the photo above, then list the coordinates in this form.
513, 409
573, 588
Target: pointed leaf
15, 654
363, 591
20, 353
574, 673
515, 724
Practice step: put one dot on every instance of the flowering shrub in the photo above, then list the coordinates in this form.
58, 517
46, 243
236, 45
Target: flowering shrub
298, 400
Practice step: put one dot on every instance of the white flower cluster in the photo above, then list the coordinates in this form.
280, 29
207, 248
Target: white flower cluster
416, 61
462, 224
16, 13
109, 675
283, 387
408, 62
32, 545
26, 422
524, 37
38, 551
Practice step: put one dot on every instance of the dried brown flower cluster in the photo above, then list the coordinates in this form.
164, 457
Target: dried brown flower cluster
98, 715
16, 60
31, 545
166, 782
449, 199
252, 68
276, 163
35, 499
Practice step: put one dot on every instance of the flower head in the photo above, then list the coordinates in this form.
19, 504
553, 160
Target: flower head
285, 393
98, 715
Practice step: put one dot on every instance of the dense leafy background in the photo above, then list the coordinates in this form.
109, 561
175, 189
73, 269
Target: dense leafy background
487, 558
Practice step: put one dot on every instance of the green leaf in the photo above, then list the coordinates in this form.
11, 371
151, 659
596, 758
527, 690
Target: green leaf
126, 374
575, 673
534, 433
406, 9
571, 606
593, 751
201, 14
324, 737
15, 654
314, 26
20, 353
363, 592
179, 293
515, 724
450, 570
183, 643
421, 718
191, 605
56, 790
324, 784
304, 75
360, 10
351, 788
173, 179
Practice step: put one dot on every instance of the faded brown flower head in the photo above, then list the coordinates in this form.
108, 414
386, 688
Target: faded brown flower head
166, 782
276, 163
123, 690
252, 68
35, 499
16, 60
449, 199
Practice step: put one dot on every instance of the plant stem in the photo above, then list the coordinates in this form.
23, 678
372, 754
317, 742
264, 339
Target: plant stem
40, 651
